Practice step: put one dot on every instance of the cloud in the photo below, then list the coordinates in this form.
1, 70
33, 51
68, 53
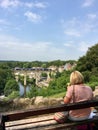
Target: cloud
4, 22
69, 44
72, 33
83, 46
15, 49
87, 3
80, 28
9, 3
36, 5
12, 48
16, 3
92, 16
33, 17
72, 27
14, 43
12, 6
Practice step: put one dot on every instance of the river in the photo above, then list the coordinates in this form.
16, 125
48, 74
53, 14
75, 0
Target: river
21, 87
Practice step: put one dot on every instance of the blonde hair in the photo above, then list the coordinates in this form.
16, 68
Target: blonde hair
76, 78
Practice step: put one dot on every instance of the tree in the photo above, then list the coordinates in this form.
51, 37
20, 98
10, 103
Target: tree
88, 64
90, 60
43, 74
11, 86
33, 92
5, 75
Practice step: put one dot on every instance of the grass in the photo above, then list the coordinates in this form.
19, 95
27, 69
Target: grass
58, 95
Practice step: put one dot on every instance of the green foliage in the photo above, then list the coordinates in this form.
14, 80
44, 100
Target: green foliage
5, 75
44, 65
90, 60
43, 74
21, 79
57, 95
47, 91
56, 86
93, 85
30, 81
33, 92
11, 86
3, 78
58, 74
88, 65
14, 95
86, 75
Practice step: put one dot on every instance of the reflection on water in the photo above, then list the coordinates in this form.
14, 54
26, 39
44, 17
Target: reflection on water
22, 89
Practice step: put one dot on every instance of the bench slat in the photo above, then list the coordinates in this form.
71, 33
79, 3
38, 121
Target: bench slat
51, 125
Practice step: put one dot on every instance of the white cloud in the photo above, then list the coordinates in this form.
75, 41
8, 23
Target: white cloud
92, 16
4, 22
72, 27
41, 5
15, 3
12, 48
69, 44
33, 17
79, 28
72, 33
9, 3
83, 46
87, 3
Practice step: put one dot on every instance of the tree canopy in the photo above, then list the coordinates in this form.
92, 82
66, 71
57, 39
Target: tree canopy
88, 65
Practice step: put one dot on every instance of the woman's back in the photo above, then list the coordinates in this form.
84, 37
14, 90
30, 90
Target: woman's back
79, 93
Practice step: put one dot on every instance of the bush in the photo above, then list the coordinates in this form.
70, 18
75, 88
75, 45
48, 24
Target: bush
93, 85
11, 86
14, 95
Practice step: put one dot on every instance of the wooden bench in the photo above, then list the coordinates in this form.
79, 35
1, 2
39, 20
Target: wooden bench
42, 118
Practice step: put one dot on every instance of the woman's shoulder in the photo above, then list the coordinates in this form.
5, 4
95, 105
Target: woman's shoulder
70, 87
88, 87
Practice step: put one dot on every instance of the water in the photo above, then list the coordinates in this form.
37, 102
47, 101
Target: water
21, 87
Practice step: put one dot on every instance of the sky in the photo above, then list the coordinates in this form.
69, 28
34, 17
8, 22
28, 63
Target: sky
47, 30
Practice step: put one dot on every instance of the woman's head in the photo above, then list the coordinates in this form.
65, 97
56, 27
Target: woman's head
76, 78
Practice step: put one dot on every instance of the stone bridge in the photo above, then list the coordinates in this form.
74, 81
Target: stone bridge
32, 73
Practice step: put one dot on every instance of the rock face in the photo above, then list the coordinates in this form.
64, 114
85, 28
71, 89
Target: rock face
47, 101
26, 103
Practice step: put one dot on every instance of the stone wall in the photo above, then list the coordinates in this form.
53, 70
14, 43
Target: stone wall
26, 103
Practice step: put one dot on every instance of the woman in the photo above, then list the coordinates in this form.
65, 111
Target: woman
77, 91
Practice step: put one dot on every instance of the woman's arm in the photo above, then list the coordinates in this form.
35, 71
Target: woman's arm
66, 100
